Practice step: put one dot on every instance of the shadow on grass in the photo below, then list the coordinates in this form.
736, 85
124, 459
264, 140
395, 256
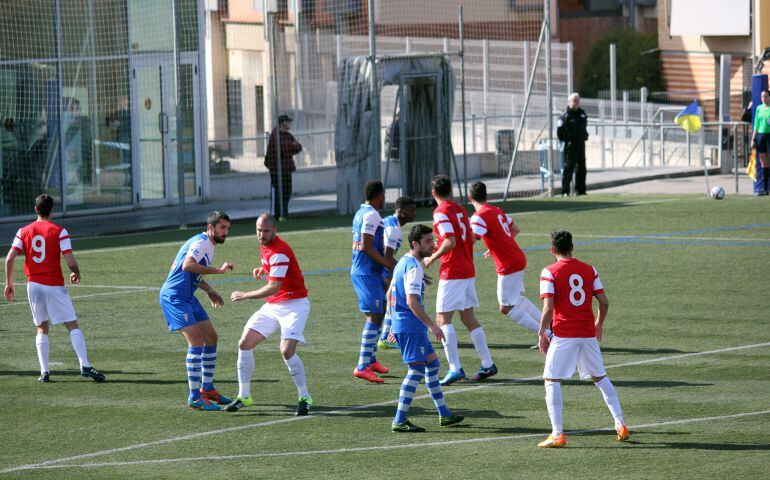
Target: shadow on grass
642, 351
108, 373
586, 383
500, 346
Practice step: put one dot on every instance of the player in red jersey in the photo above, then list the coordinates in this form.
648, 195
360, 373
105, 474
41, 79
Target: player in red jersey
567, 288
43, 243
499, 231
457, 282
286, 308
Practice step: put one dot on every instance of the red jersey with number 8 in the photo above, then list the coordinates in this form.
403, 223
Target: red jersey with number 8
451, 220
573, 285
43, 243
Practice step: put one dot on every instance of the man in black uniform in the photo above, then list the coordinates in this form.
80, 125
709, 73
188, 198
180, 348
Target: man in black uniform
572, 130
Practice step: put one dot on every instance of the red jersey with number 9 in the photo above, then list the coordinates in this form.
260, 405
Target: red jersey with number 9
43, 243
451, 220
573, 285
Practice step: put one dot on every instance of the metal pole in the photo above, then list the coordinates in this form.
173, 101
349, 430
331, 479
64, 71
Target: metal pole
602, 134
462, 102
613, 84
689, 158
374, 95
445, 45
485, 87
338, 49
179, 131
549, 92
278, 197
627, 132
642, 112
60, 113
570, 51
526, 76
735, 156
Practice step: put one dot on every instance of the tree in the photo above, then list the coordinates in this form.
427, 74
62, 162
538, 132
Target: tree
638, 63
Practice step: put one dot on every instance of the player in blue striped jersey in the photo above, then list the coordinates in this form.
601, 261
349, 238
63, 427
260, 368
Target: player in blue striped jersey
392, 238
366, 269
185, 314
410, 327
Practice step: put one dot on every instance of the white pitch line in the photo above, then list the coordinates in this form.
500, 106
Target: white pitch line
90, 295
653, 237
121, 287
393, 447
339, 412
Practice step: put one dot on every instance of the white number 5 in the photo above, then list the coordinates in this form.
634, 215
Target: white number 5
576, 294
38, 245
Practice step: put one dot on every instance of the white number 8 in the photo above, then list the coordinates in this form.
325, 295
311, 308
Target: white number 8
38, 245
576, 294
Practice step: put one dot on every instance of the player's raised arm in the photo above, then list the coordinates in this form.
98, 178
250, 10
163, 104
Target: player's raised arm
271, 288
192, 266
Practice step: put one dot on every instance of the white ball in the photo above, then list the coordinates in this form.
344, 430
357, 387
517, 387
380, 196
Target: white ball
717, 193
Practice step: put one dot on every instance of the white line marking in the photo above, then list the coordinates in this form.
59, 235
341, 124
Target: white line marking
654, 237
341, 411
394, 447
90, 295
122, 287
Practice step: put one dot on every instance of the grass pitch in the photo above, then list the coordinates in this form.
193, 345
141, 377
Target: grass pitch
686, 344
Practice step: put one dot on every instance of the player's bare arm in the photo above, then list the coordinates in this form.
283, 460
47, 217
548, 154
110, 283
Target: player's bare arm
192, 266
601, 314
10, 288
216, 299
272, 287
74, 268
446, 246
545, 322
413, 301
371, 252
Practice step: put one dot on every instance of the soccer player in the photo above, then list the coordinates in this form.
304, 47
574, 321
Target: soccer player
286, 307
366, 274
43, 243
498, 231
568, 288
405, 212
185, 314
456, 285
410, 327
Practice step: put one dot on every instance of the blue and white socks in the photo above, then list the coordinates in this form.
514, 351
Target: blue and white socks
434, 387
386, 324
405, 396
208, 365
194, 371
368, 345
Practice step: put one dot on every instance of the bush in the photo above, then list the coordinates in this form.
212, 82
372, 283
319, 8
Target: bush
638, 63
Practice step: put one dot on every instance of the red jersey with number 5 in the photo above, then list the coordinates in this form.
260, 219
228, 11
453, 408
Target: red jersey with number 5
493, 226
451, 220
43, 243
279, 261
573, 285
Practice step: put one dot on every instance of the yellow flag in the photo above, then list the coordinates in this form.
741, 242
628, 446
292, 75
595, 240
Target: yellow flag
751, 170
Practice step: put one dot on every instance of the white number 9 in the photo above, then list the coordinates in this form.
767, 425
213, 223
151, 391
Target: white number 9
38, 245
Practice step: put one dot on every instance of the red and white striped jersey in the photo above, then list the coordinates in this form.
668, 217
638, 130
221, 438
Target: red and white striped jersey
451, 220
573, 285
43, 243
279, 261
493, 226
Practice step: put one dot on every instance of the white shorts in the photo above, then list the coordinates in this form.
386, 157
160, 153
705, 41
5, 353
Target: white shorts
50, 303
509, 288
566, 353
290, 316
456, 295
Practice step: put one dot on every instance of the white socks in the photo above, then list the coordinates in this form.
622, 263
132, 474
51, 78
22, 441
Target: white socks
450, 347
518, 315
41, 344
554, 403
79, 344
611, 399
482, 349
297, 371
245, 367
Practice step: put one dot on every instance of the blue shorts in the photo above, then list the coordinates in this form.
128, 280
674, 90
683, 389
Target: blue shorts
371, 293
415, 346
181, 313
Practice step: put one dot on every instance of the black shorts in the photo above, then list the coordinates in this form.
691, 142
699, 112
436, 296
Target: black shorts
763, 143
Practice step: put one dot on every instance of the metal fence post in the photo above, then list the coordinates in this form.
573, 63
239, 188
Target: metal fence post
526, 79
613, 84
473, 132
549, 91
602, 132
662, 139
445, 44
338, 49
408, 44
642, 114
627, 132
485, 87
570, 73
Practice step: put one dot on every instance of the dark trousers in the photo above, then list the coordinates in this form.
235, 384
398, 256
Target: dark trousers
574, 161
286, 191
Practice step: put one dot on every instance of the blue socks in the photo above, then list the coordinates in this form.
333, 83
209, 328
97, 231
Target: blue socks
434, 387
405, 396
194, 371
368, 345
208, 364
